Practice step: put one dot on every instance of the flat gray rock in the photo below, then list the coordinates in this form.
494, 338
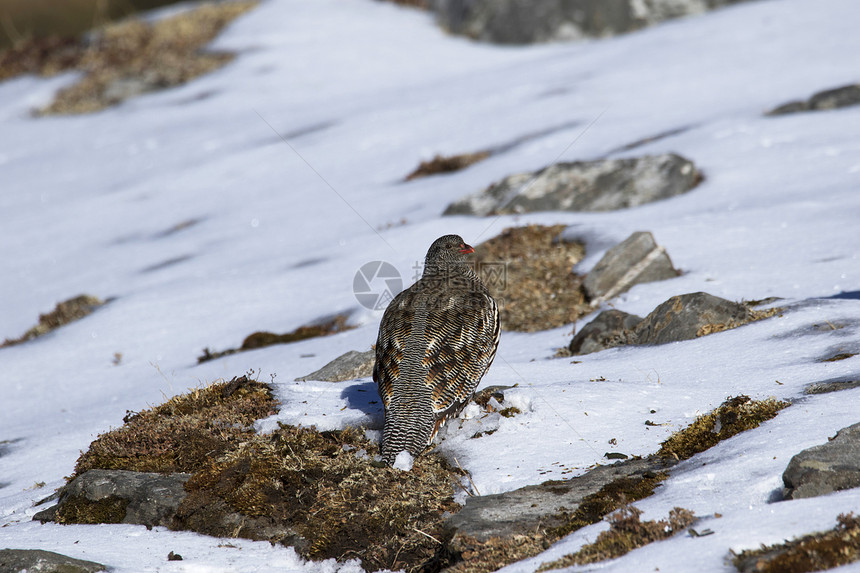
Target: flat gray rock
36, 560
349, 366
684, 317
149, 499
638, 259
826, 468
525, 509
603, 185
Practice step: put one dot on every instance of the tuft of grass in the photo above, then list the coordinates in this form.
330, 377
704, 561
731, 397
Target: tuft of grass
447, 164
65, 312
626, 533
262, 339
185, 432
814, 552
127, 58
323, 487
733, 416
81, 510
529, 272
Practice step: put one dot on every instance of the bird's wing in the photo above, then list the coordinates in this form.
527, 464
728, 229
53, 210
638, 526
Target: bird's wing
462, 338
393, 332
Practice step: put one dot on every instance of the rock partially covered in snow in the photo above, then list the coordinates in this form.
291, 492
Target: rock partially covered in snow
826, 468
602, 185
688, 316
828, 99
403, 461
38, 560
637, 259
518, 22
349, 366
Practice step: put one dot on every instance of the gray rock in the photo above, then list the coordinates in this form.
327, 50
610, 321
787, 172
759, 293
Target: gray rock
36, 560
829, 99
826, 468
690, 315
147, 498
528, 21
526, 509
602, 185
348, 366
637, 259
833, 385
609, 329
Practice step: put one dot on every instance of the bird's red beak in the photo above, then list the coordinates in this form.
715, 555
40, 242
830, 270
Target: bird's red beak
466, 249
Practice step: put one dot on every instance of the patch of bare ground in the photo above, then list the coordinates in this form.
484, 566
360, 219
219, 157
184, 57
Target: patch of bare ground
65, 312
814, 552
447, 164
529, 272
127, 58
262, 339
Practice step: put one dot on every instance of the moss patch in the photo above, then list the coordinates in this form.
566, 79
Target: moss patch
65, 312
815, 552
126, 58
735, 415
81, 510
263, 339
626, 533
529, 273
447, 164
185, 432
323, 487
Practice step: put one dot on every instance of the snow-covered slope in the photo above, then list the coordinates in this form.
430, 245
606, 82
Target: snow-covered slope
189, 209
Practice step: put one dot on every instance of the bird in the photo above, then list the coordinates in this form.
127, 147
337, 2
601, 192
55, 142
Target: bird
436, 341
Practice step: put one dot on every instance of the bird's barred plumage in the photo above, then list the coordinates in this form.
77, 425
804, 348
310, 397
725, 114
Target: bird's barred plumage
436, 340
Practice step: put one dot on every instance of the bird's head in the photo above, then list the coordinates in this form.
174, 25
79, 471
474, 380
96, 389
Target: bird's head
450, 248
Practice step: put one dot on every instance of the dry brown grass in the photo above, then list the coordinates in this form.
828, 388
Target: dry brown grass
815, 552
539, 289
734, 416
447, 164
755, 315
185, 432
65, 312
626, 533
127, 58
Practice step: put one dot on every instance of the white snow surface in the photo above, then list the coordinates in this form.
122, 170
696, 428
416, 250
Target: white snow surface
247, 200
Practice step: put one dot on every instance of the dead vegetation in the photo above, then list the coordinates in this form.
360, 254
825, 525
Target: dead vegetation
734, 416
65, 312
447, 164
325, 327
754, 315
127, 58
185, 432
626, 533
529, 272
814, 552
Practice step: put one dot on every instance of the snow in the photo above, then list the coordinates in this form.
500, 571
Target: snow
187, 208
403, 461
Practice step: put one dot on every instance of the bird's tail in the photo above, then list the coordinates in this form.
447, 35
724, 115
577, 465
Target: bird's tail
405, 431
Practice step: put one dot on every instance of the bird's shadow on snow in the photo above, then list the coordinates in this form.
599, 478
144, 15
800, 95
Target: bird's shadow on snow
364, 397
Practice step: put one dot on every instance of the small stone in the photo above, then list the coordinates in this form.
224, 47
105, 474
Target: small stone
349, 366
836, 98
610, 328
174, 556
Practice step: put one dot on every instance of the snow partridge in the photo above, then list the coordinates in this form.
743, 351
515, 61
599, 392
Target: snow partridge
436, 340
